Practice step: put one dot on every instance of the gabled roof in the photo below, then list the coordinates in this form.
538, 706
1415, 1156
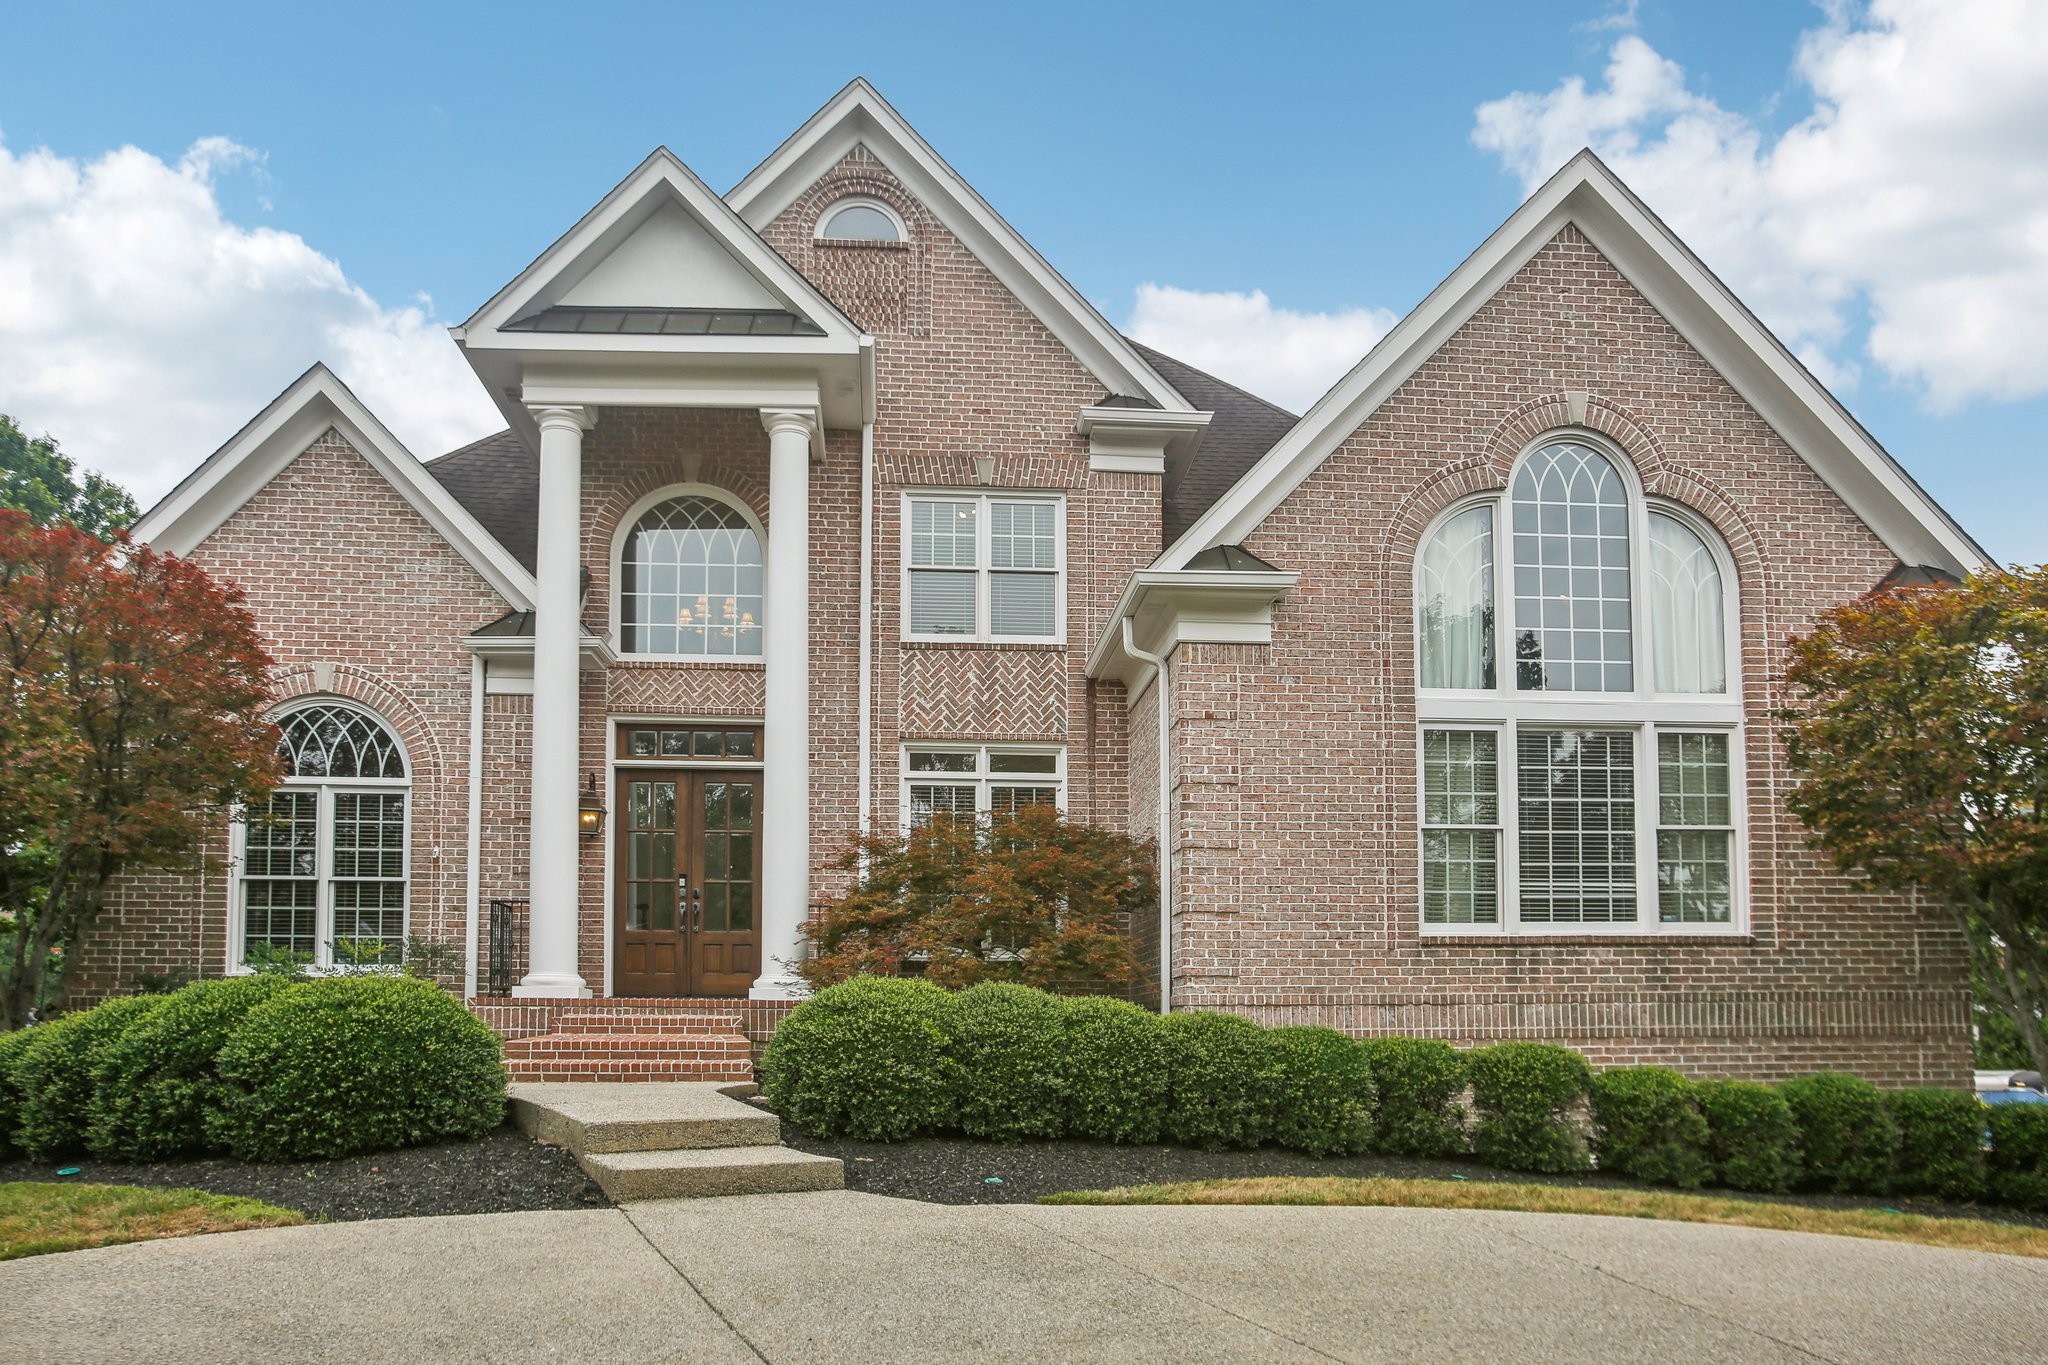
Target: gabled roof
315, 401
1245, 426
498, 480
1588, 195
858, 116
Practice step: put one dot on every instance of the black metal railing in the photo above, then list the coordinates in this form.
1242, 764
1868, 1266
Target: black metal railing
505, 960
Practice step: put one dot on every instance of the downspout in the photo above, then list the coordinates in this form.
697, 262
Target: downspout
473, 875
864, 746
1158, 663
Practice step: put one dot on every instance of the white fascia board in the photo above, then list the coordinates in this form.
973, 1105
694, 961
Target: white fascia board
595, 653
859, 116
1141, 440
1170, 608
661, 173
317, 400
1697, 304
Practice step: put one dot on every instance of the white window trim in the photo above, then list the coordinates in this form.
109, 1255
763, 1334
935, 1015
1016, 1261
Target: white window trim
623, 532
983, 497
981, 779
1505, 708
325, 790
861, 201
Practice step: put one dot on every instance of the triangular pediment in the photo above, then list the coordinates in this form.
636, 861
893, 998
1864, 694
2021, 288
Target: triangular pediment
668, 260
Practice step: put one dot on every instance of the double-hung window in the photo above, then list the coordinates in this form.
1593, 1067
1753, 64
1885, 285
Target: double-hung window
1580, 752
980, 780
323, 870
983, 566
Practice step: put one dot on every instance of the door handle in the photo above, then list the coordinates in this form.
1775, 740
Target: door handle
696, 910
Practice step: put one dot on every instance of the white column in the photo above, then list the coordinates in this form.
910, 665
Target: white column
786, 738
552, 883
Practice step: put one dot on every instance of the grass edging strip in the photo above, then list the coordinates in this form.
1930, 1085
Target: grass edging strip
1964, 1234
36, 1218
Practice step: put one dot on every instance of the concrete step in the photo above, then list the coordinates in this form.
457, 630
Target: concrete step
702, 1172
596, 1118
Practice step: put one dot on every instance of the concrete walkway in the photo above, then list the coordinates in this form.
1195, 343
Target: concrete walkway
841, 1276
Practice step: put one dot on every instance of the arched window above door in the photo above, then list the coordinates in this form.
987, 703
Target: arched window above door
690, 581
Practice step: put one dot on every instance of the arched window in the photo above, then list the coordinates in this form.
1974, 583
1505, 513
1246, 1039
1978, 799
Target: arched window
322, 876
860, 220
690, 581
1596, 785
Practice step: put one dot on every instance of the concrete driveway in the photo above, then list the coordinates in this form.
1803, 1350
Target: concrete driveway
844, 1276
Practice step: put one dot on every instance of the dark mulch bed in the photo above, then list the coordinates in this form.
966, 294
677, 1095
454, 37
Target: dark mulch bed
504, 1172
958, 1171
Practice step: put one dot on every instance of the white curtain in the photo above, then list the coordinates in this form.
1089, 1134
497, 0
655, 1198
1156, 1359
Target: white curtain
1457, 602
1688, 646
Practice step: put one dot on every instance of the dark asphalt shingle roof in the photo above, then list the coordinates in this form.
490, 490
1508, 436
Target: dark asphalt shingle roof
498, 480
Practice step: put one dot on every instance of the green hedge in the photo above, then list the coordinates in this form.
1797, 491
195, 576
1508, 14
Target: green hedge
12, 1047
1326, 1092
156, 1083
356, 1064
1010, 1078
1116, 1070
1523, 1095
2018, 1163
1648, 1126
1420, 1081
1845, 1137
1940, 1143
869, 1058
1752, 1138
1223, 1081
54, 1079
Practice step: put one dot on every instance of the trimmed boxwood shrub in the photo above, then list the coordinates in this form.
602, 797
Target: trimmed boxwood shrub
1326, 1092
1420, 1081
1941, 1142
12, 1046
156, 1082
868, 1058
1523, 1094
1845, 1137
53, 1079
1008, 1044
2018, 1173
1116, 1069
1752, 1138
1648, 1126
1223, 1081
355, 1064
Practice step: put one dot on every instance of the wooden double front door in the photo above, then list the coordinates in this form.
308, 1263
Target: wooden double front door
687, 896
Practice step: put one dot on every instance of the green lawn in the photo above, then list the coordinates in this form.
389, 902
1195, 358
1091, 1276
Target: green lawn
1968, 1234
37, 1218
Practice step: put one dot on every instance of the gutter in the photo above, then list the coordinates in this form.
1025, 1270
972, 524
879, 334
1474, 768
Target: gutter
864, 747
1158, 663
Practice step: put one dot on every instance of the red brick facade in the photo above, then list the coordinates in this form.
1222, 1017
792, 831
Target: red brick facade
1293, 764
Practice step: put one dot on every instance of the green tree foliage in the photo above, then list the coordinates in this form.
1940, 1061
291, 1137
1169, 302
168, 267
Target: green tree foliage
1028, 896
132, 692
39, 479
1919, 729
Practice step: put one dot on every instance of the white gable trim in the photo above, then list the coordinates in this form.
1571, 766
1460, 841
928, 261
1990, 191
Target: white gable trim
662, 173
260, 451
1586, 194
859, 116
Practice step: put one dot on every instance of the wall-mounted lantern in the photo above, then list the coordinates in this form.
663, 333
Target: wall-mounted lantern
590, 808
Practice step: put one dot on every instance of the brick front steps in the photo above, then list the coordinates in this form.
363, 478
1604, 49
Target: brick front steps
622, 1040
680, 1140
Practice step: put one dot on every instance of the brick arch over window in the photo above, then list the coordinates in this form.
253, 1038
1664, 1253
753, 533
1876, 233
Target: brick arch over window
885, 287
428, 762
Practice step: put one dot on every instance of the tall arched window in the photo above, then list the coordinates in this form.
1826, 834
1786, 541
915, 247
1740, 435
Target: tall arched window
690, 581
1596, 785
323, 870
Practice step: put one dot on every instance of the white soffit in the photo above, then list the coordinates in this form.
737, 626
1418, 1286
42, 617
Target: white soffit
1585, 193
260, 451
858, 116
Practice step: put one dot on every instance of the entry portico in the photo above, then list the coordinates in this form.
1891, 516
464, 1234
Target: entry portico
662, 299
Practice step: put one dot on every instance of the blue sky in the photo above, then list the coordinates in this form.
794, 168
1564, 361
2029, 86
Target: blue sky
317, 177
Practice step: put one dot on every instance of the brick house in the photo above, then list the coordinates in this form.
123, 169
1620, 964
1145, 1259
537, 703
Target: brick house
830, 502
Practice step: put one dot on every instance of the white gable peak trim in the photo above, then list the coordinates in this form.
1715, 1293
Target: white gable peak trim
1587, 195
858, 116
296, 418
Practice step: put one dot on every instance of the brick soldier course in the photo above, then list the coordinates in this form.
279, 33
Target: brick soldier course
678, 345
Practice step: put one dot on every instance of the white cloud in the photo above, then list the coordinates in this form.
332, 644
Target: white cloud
142, 327
1286, 357
1916, 193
